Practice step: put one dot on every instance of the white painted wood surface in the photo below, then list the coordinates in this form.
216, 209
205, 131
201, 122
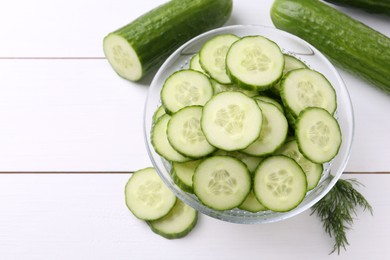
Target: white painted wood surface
73, 113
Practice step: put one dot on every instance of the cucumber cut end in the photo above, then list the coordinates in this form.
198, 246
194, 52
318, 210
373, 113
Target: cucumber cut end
122, 57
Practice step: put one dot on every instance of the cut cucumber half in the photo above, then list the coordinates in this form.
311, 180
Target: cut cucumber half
254, 62
178, 223
212, 56
302, 88
273, 132
221, 182
182, 174
252, 204
146, 195
312, 170
318, 135
231, 121
279, 183
185, 88
185, 135
161, 145
122, 57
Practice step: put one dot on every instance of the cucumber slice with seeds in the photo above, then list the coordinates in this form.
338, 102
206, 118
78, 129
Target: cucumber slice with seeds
221, 182
318, 135
160, 141
254, 62
273, 132
146, 195
303, 88
185, 88
212, 56
312, 170
177, 223
279, 183
231, 121
185, 135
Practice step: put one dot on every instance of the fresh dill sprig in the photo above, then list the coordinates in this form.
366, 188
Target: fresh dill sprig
337, 209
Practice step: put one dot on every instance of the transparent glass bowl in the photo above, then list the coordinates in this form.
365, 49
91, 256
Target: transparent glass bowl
289, 44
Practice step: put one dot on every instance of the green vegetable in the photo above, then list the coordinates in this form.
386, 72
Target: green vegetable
337, 209
372, 6
137, 48
346, 41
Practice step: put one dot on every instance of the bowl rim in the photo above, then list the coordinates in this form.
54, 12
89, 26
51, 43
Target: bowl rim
276, 216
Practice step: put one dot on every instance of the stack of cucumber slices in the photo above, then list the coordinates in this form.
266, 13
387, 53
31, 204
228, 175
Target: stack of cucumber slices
246, 126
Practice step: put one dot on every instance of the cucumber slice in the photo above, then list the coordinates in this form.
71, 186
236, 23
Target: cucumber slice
273, 133
231, 121
218, 88
312, 170
269, 100
158, 113
252, 204
250, 161
290, 63
195, 65
221, 182
185, 88
185, 135
212, 56
161, 145
254, 62
318, 135
303, 88
178, 223
182, 174
279, 183
146, 195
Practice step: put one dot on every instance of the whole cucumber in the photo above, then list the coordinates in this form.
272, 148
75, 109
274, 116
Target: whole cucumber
140, 46
371, 6
347, 42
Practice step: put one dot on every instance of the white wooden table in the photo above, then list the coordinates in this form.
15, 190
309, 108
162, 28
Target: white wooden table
63, 109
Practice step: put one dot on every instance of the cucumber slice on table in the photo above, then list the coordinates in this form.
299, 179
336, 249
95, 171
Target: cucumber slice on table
212, 56
185, 135
185, 88
221, 182
255, 62
137, 48
177, 223
231, 121
312, 170
273, 132
160, 142
146, 195
318, 135
279, 183
303, 88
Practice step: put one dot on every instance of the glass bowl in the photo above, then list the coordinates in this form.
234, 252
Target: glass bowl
289, 44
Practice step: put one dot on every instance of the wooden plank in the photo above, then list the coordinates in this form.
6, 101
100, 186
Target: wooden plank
85, 217
78, 115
